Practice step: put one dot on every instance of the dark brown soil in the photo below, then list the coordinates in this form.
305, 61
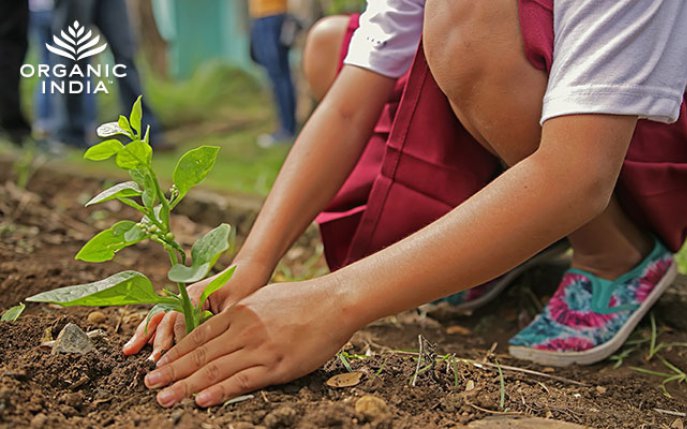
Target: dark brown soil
40, 231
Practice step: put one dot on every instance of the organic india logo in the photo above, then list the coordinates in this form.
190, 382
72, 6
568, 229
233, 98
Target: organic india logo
75, 45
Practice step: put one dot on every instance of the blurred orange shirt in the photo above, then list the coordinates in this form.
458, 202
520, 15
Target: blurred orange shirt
262, 8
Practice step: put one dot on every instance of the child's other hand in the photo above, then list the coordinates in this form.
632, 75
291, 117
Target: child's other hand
277, 334
164, 328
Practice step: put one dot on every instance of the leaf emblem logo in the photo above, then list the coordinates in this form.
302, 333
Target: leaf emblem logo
76, 45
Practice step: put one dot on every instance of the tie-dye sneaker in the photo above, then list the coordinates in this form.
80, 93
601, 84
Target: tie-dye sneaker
589, 318
464, 302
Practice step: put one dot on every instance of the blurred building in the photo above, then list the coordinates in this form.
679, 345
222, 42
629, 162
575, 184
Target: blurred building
200, 30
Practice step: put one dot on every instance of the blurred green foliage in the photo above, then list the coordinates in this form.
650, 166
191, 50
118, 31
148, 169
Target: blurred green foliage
682, 259
218, 106
335, 7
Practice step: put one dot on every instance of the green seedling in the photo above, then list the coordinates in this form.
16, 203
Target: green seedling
345, 358
451, 365
26, 164
675, 375
12, 314
145, 194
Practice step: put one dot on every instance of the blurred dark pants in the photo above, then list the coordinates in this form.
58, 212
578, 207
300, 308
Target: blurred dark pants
112, 19
14, 23
270, 53
44, 112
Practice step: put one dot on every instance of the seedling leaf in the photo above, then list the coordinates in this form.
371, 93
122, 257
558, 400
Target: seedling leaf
182, 273
106, 244
124, 124
216, 284
125, 288
147, 136
205, 253
135, 154
193, 167
149, 194
135, 235
104, 150
136, 115
212, 245
110, 129
139, 176
205, 316
122, 190
12, 314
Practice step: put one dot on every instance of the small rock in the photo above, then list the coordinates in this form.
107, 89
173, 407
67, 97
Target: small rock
176, 416
282, 417
39, 420
470, 385
521, 422
347, 379
371, 407
47, 335
72, 340
19, 375
601, 390
96, 317
458, 330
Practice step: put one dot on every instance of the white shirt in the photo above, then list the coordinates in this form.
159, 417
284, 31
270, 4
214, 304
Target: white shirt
626, 57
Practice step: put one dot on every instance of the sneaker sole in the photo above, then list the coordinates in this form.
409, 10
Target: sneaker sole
551, 252
603, 351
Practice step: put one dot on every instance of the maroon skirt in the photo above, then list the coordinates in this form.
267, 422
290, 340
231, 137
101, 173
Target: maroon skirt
420, 162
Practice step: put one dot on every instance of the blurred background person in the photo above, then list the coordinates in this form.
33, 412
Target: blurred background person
14, 22
41, 26
270, 27
112, 20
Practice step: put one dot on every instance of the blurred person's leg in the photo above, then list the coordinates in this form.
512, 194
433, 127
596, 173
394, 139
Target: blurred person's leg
41, 29
112, 18
322, 52
273, 56
71, 118
14, 23
286, 92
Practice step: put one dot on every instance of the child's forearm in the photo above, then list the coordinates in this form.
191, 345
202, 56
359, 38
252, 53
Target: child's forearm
566, 183
324, 155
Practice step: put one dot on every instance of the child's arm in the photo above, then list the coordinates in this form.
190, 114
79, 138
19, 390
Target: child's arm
326, 152
567, 182
319, 163
285, 331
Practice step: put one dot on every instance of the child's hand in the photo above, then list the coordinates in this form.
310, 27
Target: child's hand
277, 334
164, 328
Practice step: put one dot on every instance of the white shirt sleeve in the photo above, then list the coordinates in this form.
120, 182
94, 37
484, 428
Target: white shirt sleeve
625, 57
388, 36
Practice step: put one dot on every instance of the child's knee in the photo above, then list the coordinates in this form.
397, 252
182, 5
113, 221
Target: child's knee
475, 52
322, 53
466, 42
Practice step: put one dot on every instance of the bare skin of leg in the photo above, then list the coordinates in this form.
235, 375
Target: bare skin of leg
322, 52
475, 52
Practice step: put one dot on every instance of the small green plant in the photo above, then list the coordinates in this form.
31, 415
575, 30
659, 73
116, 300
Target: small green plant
145, 194
345, 358
676, 375
26, 164
12, 314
